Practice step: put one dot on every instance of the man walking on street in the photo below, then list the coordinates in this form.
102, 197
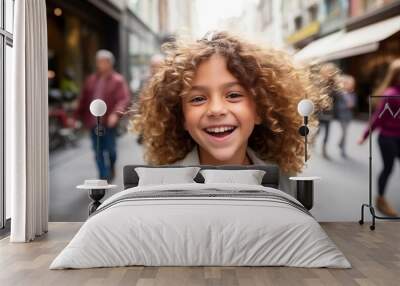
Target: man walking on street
110, 86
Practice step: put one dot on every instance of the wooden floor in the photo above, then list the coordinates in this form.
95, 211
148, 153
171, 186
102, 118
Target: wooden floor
374, 255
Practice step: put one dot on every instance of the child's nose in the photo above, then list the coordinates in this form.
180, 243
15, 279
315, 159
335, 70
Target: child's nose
216, 107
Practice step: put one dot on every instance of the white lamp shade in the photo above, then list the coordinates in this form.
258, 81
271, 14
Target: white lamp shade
305, 107
98, 107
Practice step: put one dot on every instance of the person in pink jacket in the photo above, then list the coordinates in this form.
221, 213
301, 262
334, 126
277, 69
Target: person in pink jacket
386, 118
110, 86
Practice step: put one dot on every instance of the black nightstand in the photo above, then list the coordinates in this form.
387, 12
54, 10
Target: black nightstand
305, 190
96, 191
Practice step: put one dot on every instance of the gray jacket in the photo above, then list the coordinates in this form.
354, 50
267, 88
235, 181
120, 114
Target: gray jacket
192, 158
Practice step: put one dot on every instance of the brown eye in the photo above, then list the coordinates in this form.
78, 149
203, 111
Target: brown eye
234, 95
197, 99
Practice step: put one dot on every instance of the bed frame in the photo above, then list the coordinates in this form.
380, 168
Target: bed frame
270, 179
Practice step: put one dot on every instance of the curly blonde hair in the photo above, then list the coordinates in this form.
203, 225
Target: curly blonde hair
269, 75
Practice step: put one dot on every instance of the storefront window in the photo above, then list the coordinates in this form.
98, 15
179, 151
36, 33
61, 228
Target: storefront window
133, 44
134, 5
313, 13
332, 8
298, 22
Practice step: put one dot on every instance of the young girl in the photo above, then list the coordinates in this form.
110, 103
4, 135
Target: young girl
387, 121
221, 100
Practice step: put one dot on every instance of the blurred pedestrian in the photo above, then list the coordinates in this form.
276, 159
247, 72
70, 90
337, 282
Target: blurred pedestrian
345, 102
386, 119
110, 86
330, 79
155, 62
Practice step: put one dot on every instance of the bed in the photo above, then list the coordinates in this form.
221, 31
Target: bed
201, 224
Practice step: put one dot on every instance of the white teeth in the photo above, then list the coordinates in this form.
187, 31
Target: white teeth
220, 129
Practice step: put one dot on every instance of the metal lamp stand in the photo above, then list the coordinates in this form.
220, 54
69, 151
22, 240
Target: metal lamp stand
304, 132
369, 205
97, 194
99, 132
305, 185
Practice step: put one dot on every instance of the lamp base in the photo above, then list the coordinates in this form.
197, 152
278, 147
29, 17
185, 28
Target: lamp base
96, 195
305, 193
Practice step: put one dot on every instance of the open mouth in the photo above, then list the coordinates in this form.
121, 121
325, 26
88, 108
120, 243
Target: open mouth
220, 131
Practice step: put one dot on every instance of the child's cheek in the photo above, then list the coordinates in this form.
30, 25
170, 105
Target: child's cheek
191, 118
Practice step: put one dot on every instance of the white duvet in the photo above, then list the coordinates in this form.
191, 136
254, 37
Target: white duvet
183, 231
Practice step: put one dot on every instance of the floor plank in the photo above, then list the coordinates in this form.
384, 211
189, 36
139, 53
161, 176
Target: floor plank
374, 255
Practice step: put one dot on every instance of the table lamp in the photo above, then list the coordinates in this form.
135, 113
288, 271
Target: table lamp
305, 185
305, 109
96, 188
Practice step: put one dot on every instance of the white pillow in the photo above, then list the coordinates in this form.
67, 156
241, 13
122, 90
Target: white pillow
162, 176
249, 177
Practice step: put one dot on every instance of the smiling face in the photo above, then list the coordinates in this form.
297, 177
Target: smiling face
219, 114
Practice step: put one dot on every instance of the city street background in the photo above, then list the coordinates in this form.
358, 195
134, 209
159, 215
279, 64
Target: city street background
361, 37
338, 195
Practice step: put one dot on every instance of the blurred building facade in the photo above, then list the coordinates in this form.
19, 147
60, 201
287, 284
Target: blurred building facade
302, 21
176, 17
268, 22
244, 24
260, 20
379, 20
132, 29
361, 36
141, 38
307, 20
76, 30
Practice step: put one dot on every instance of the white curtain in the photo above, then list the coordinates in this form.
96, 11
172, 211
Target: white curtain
27, 124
